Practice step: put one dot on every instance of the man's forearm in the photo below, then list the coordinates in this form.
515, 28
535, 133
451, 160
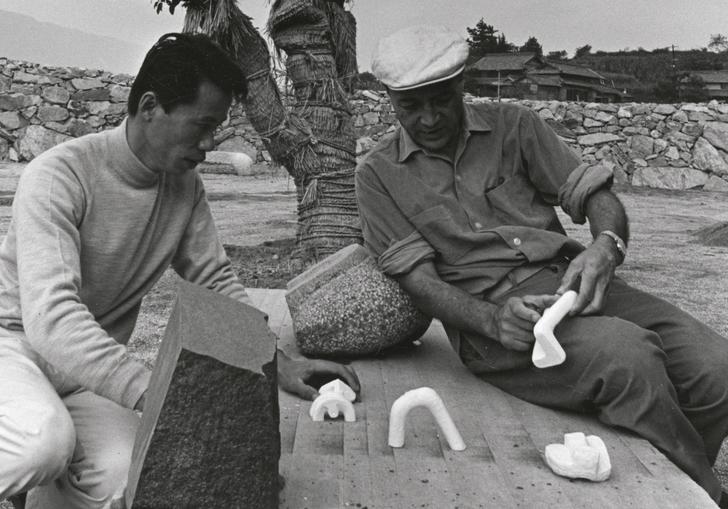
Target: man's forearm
447, 303
606, 212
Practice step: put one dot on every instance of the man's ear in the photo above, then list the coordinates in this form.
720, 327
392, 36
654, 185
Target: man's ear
148, 104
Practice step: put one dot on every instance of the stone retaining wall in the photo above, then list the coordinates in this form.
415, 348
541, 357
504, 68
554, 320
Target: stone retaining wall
42, 106
680, 146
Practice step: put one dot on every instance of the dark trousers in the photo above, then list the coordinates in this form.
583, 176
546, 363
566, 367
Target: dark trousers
642, 364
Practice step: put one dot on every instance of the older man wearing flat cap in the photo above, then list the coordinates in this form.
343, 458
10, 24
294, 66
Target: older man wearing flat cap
458, 206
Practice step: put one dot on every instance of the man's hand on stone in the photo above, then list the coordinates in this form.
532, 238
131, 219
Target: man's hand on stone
294, 375
593, 269
515, 319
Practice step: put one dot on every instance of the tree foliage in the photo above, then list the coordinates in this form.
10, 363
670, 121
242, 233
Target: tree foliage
532, 46
484, 38
582, 51
718, 43
657, 71
557, 55
172, 4
692, 88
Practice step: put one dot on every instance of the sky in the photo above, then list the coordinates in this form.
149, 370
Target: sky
558, 24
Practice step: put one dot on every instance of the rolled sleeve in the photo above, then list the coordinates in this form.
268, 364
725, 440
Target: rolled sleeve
403, 256
548, 160
581, 184
393, 240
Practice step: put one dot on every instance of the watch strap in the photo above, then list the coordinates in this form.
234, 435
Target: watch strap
621, 246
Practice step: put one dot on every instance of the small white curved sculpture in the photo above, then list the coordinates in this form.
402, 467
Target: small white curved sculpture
579, 457
332, 403
424, 396
547, 351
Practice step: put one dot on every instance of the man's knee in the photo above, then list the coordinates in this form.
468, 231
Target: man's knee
103, 475
706, 387
38, 442
617, 353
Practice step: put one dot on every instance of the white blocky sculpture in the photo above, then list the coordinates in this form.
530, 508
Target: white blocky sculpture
547, 351
339, 387
579, 457
334, 398
424, 396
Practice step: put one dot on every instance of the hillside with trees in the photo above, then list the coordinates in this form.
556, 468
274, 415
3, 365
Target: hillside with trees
659, 75
657, 71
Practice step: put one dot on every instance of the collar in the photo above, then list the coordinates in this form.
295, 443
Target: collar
474, 120
126, 164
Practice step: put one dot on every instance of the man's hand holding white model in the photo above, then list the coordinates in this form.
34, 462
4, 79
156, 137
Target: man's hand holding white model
589, 273
515, 319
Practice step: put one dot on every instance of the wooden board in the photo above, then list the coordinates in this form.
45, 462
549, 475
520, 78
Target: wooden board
336, 464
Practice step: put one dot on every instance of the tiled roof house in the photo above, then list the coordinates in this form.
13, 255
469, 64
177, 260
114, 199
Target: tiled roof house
529, 76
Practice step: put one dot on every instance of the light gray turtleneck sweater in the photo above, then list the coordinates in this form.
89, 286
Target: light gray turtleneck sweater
92, 230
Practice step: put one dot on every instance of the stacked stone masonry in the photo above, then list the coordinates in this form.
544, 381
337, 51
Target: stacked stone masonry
42, 106
671, 146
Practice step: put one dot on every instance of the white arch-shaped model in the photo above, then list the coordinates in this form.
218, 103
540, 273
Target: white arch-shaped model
333, 404
427, 397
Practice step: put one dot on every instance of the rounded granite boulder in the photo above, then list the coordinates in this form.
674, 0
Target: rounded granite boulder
359, 311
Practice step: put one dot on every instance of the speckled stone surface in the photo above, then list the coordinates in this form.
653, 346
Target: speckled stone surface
357, 310
210, 431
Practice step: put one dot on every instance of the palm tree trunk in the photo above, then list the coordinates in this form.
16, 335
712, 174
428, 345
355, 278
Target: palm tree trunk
310, 31
315, 140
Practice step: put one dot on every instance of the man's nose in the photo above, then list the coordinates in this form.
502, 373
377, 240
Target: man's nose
429, 117
207, 142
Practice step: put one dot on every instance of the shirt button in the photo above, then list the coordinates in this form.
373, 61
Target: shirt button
517, 241
478, 225
458, 178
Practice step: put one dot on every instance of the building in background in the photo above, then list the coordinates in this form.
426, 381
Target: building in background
715, 83
529, 76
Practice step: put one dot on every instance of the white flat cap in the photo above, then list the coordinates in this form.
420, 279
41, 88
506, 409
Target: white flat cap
419, 55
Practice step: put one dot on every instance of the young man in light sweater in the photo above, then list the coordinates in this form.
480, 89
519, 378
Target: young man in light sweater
96, 222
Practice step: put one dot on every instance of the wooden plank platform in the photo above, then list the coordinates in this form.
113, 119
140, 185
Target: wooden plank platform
334, 464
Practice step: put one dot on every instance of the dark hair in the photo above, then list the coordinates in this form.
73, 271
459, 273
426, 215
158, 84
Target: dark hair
178, 63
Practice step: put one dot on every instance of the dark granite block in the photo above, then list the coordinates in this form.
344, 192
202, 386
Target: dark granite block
209, 435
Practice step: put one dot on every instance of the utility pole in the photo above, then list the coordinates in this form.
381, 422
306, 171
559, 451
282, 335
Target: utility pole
498, 84
675, 86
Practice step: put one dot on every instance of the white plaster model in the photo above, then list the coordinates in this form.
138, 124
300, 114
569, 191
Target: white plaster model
547, 351
424, 396
333, 404
579, 457
339, 387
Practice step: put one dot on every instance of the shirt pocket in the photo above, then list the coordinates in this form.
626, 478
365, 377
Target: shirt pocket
442, 231
516, 202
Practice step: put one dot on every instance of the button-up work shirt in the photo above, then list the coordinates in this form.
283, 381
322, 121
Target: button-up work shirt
484, 214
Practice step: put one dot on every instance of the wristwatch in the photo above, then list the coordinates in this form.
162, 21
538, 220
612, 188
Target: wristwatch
621, 246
